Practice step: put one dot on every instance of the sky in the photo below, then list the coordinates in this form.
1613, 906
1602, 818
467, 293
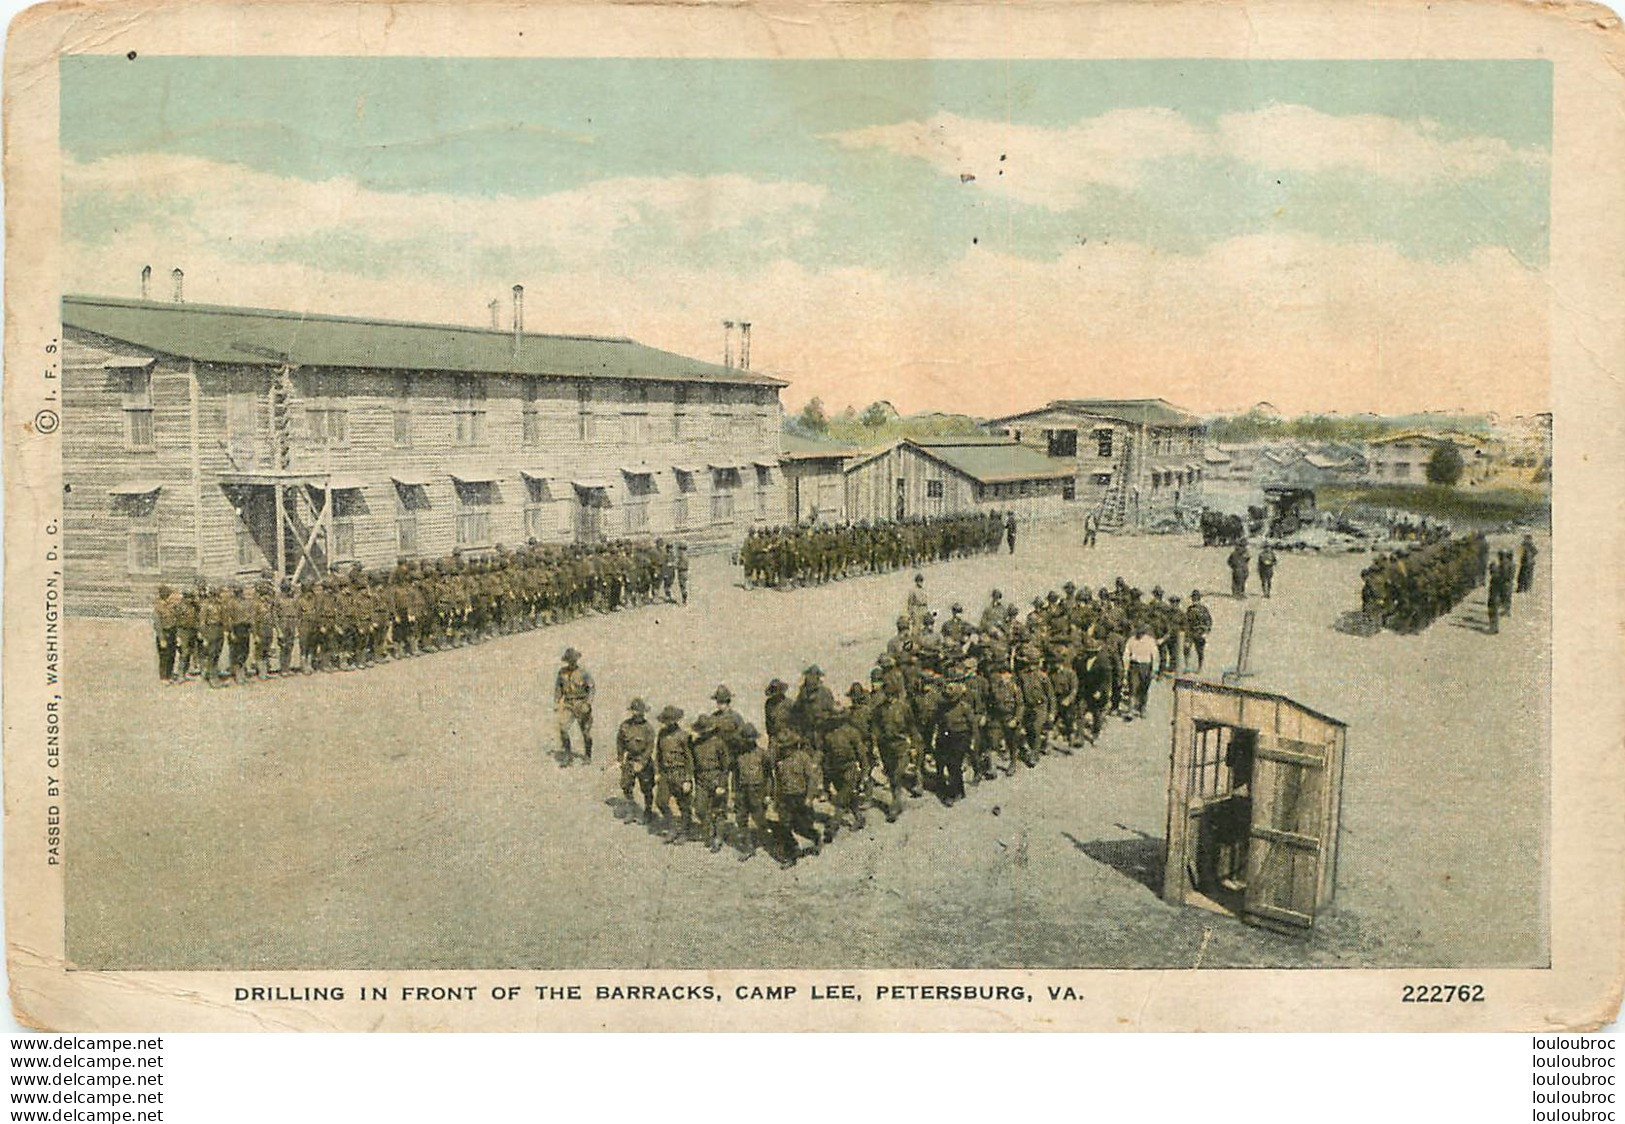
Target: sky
976, 236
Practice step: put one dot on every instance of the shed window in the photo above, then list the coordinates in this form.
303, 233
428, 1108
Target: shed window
1103, 442
933, 489
141, 543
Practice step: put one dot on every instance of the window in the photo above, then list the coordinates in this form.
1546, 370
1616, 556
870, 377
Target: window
1069, 489
1063, 443
468, 411
933, 489
410, 500
531, 417
722, 427
141, 547
635, 392
1101, 478
679, 411
1103, 442
348, 505
584, 426
475, 498
639, 487
685, 488
724, 481
249, 556
327, 424
403, 412
764, 481
138, 429
537, 499
635, 429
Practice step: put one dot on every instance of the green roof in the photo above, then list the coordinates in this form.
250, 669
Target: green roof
795, 446
1135, 411
206, 333
990, 463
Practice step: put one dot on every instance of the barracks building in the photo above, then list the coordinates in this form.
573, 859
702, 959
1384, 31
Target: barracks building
221, 442
1136, 460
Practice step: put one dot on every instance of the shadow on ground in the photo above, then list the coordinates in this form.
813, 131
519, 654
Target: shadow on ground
1139, 859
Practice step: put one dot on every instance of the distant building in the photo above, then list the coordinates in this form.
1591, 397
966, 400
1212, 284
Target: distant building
1402, 458
943, 475
1134, 459
221, 442
814, 480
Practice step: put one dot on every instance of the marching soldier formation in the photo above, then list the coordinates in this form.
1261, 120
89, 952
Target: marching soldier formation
1409, 589
231, 633
782, 557
940, 708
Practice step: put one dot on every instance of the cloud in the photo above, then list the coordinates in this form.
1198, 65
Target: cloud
1046, 167
1055, 167
195, 199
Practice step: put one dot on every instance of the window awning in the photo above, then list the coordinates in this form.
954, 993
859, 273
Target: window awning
765, 464
129, 363
341, 484
589, 485
685, 469
725, 467
537, 475
637, 470
134, 488
475, 475
412, 479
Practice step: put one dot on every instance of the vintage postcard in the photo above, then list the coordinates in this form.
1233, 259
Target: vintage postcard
814, 516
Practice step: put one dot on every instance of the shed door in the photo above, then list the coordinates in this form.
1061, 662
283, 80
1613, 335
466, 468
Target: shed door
1288, 846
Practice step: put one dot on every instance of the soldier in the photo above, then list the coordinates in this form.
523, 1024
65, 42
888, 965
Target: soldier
572, 702
777, 710
1064, 679
1526, 564
262, 610
237, 614
1010, 531
165, 617
956, 630
712, 763
668, 571
635, 750
1094, 686
956, 728
814, 703
1266, 567
753, 774
186, 613
682, 571
729, 721
846, 763
1038, 706
797, 778
1005, 711
894, 734
1198, 623
1091, 528
674, 773
992, 616
1171, 644
211, 631
1237, 561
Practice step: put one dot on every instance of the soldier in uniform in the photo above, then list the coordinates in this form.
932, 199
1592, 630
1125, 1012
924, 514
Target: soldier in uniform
1198, 623
211, 631
237, 614
777, 710
668, 570
1237, 561
682, 571
1094, 686
753, 778
894, 734
1266, 567
992, 616
1010, 531
729, 721
1004, 716
797, 778
635, 750
956, 728
1526, 564
1038, 706
185, 634
262, 628
813, 705
712, 763
165, 615
846, 763
1064, 680
674, 772
917, 605
572, 702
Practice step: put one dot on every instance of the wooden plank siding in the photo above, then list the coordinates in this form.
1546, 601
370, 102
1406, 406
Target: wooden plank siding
872, 490
581, 429
814, 490
1156, 459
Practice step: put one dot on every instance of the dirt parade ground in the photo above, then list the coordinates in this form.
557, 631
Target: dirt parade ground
415, 815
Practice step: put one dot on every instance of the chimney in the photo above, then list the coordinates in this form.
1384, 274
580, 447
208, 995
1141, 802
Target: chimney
744, 344
727, 343
146, 281
495, 304
178, 277
518, 314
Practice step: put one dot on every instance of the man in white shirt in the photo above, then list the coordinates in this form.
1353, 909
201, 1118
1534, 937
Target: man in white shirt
1140, 657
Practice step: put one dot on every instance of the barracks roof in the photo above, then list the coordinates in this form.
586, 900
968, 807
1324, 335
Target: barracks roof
208, 333
989, 460
796, 447
1135, 411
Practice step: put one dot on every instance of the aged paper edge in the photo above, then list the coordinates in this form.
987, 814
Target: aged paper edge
1581, 989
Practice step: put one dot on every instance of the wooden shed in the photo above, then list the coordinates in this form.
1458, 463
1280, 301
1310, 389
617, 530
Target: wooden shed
1254, 803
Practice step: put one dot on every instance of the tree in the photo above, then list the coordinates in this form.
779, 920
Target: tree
813, 417
874, 415
1445, 465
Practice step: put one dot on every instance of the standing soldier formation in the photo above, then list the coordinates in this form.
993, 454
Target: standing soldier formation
1409, 589
784, 557
357, 618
